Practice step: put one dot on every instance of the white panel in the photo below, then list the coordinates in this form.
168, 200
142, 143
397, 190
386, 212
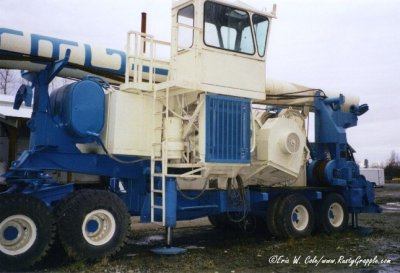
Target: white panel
281, 144
233, 74
129, 128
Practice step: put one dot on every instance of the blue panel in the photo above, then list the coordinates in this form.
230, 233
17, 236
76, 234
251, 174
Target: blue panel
227, 129
171, 202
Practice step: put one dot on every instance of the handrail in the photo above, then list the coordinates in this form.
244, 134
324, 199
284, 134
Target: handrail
137, 59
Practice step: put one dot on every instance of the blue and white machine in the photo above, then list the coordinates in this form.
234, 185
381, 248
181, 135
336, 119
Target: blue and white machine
178, 139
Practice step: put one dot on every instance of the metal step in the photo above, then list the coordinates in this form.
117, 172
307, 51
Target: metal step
157, 207
185, 165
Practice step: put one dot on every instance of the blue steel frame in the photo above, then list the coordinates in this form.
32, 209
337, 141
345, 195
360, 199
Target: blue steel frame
340, 170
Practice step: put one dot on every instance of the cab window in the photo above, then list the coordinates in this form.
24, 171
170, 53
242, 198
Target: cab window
261, 30
185, 34
227, 28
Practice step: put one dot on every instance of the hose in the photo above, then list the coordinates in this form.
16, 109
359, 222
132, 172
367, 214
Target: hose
98, 140
193, 197
234, 201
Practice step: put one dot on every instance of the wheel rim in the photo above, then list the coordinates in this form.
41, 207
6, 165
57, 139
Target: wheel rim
18, 234
300, 217
335, 214
98, 227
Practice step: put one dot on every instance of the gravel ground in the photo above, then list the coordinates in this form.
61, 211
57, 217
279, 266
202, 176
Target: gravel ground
210, 250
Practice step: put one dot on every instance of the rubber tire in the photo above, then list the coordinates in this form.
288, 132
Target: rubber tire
219, 221
62, 205
59, 208
73, 215
284, 216
272, 213
323, 213
39, 213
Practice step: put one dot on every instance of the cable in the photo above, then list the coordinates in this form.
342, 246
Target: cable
234, 201
292, 95
110, 155
303, 91
192, 197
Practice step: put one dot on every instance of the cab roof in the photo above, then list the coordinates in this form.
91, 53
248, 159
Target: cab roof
236, 4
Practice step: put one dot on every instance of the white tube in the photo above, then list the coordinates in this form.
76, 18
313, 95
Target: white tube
285, 93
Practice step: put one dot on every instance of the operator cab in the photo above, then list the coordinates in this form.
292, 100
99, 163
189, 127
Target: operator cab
220, 47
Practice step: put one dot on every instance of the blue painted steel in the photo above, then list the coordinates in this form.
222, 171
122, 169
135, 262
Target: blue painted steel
79, 107
145, 209
52, 147
203, 207
211, 202
38, 184
168, 250
170, 202
50, 193
10, 233
258, 196
45, 132
330, 127
50, 159
227, 129
332, 155
92, 226
24, 94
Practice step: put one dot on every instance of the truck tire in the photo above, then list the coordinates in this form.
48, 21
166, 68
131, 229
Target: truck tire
93, 224
333, 214
60, 207
295, 217
272, 212
219, 221
26, 231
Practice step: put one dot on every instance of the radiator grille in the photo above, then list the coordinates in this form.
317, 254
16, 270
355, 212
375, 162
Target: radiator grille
227, 129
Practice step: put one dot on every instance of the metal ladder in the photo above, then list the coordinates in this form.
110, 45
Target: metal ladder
159, 96
137, 60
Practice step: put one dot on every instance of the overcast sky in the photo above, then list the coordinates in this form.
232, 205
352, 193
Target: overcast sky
347, 46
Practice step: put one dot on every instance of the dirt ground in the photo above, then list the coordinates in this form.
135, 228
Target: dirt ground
210, 250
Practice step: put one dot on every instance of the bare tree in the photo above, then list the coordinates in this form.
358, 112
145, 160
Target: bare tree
6, 79
392, 168
394, 159
366, 163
